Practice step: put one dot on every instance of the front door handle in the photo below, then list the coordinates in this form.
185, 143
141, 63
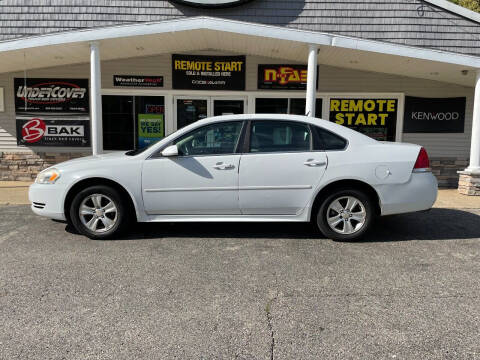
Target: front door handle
222, 166
311, 162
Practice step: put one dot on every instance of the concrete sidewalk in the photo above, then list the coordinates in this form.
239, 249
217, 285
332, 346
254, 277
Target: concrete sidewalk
16, 193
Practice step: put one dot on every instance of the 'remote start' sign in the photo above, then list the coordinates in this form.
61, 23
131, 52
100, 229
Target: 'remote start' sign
200, 72
374, 117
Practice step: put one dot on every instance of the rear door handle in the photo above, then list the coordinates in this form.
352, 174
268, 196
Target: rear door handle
222, 166
312, 163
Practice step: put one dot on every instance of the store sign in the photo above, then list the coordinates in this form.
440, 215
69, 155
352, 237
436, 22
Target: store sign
40, 131
150, 129
51, 95
282, 77
211, 3
199, 72
373, 117
52, 112
434, 115
138, 81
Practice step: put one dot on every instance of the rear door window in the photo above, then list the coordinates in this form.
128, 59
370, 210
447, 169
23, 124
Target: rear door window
279, 136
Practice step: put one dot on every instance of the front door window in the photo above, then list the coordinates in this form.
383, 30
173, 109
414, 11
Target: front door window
213, 139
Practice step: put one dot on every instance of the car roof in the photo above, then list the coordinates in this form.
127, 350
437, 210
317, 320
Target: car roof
341, 130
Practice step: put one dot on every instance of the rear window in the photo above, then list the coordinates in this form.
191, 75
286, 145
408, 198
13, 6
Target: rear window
326, 140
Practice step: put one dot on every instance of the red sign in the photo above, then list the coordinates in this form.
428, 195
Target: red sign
33, 130
282, 77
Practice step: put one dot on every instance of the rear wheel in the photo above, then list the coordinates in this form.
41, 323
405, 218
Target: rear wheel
346, 215
99, 212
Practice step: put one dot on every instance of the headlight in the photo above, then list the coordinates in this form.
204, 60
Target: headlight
49, 176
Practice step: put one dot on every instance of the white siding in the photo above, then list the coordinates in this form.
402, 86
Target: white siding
331, 79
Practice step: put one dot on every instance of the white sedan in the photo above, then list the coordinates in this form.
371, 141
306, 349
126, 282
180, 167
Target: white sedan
248, 168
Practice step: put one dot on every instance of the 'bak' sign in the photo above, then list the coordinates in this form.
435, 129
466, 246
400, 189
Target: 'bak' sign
373, 117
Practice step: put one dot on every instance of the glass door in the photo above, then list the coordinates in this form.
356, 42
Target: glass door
222, 106
189, 109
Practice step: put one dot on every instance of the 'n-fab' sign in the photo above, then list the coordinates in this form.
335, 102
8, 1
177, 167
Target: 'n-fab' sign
282, 77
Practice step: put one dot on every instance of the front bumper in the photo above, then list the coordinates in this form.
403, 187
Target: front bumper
47, 200
419, 193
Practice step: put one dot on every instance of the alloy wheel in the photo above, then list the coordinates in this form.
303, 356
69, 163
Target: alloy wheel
98, 213
346, 215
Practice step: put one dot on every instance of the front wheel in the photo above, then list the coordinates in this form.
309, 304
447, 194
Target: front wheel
346, 215
99, 212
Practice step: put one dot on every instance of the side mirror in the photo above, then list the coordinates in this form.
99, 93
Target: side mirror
171, 150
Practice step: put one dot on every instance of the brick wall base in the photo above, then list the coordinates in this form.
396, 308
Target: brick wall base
24, 166
446, 170
469, 184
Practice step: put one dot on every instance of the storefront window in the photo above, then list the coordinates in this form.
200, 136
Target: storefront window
150, 119
132, 121
271, 106
118, 124
294, 106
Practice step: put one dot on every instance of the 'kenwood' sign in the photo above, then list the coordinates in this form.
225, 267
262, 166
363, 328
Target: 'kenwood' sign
211, 3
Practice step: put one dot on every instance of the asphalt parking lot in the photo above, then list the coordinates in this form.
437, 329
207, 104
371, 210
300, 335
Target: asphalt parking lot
411, 290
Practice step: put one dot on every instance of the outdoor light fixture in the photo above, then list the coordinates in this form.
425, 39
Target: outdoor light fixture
211, 3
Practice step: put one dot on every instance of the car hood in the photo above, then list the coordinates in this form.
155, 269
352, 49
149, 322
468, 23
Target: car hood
116, 155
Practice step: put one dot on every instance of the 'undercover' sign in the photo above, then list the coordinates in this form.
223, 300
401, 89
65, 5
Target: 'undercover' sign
434, 115
52, 112
199, 72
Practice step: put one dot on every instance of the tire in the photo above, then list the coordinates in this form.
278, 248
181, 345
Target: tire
347, 222
98, 219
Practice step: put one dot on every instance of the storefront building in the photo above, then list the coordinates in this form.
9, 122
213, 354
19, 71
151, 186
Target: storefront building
77, 80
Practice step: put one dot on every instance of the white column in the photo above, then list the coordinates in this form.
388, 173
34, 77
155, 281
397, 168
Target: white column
96, 99
474, 166
311, 81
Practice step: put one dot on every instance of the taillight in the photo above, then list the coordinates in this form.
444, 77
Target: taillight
422, 163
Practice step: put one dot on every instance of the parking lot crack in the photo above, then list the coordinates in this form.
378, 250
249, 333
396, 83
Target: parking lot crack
268, 313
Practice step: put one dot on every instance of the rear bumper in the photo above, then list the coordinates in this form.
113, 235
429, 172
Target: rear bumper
419, 193
47, 200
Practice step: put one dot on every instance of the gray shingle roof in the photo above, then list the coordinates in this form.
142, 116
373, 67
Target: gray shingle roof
410, 22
